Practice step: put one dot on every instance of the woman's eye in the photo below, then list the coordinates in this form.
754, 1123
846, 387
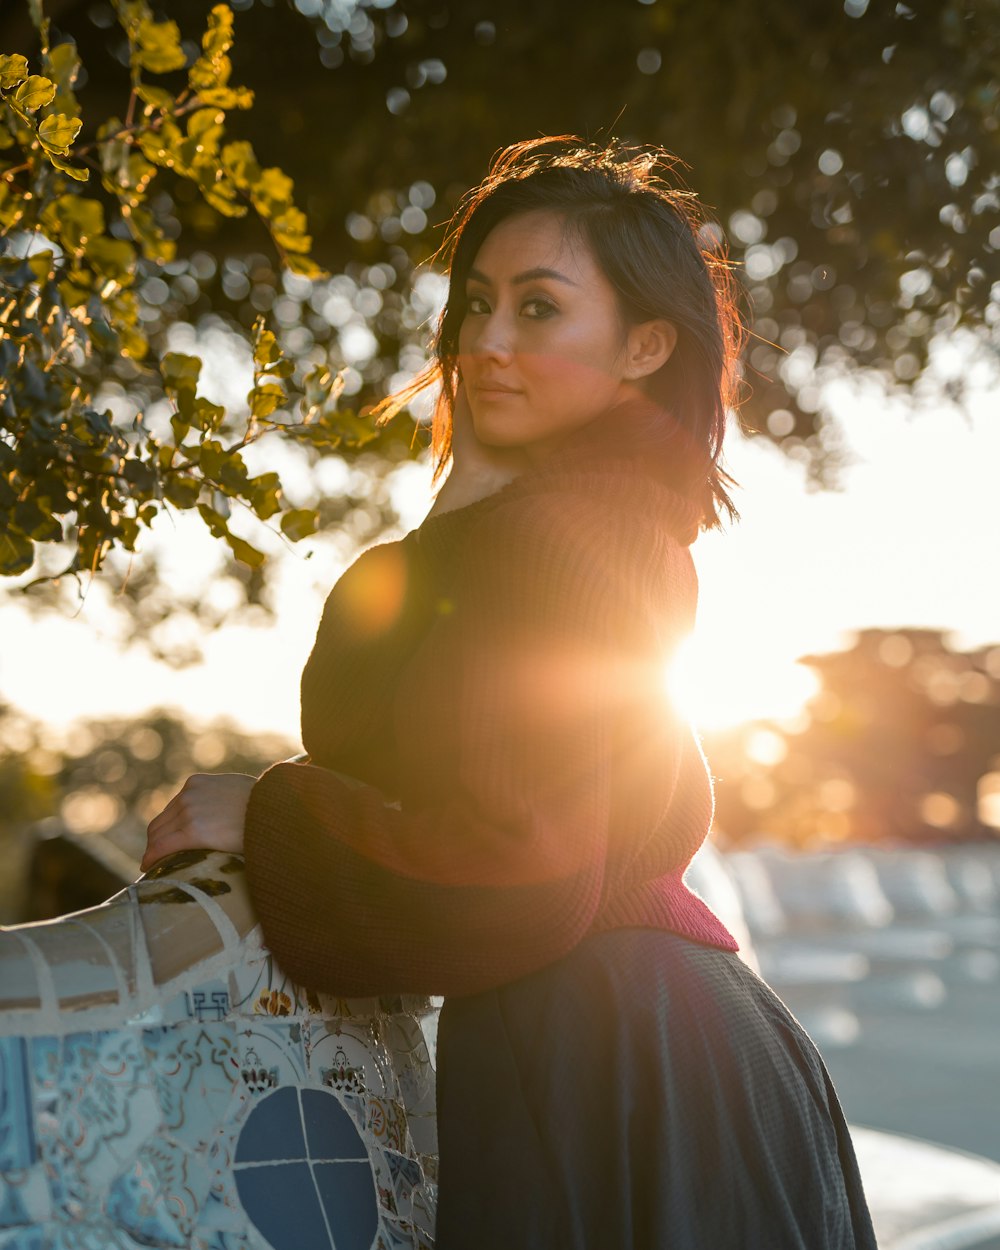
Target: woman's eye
476, 304
538, 308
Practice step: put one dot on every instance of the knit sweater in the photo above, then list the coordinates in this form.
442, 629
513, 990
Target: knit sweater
495, 769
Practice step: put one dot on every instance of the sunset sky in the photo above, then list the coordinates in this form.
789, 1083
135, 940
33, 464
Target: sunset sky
910, 539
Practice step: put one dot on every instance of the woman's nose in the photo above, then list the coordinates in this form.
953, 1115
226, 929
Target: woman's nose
494, 339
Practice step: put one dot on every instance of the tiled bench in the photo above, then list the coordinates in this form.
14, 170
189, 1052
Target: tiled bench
163, 1083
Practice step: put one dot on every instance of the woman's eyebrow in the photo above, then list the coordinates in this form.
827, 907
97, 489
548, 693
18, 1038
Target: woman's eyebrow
529, 275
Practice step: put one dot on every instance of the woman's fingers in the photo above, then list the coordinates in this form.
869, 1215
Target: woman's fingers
172, 815
172, 830
207, 812
167, 844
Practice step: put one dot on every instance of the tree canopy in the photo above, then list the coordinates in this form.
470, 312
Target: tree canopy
851, 153
71, 316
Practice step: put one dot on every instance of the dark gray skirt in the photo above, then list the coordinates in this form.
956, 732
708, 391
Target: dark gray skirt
642, 1092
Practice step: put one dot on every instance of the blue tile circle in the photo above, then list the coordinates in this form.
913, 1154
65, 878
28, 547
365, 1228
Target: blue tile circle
303, 1174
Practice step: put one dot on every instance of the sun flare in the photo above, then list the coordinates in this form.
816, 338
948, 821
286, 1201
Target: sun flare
720, 684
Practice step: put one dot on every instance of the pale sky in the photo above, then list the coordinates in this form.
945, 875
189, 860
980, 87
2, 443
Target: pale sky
912, 539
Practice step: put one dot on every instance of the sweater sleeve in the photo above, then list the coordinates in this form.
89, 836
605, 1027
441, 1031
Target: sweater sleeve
372, 620
500, 871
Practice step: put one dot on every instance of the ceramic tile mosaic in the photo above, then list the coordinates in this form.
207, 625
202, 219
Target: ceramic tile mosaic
163, 1084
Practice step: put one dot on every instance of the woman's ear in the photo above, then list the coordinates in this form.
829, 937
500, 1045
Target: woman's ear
648, 347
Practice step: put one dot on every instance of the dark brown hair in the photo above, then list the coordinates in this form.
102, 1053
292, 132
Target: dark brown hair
665, 259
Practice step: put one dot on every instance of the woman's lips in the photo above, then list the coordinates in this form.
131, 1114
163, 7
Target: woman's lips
493, 390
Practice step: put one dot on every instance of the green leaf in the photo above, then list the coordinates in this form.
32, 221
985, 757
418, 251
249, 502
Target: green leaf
213, 67
123, 309
299, 523
50, 490
263, 493
265, 398
13, 70
240, 163
159, 47
355, 431
92, 541
182, 492
305, 267
113, 150
155, 97
130, 13
218, 38
24, 136
57, 132
40, 264
215, 521
140, 475
17, 552
289, 231
127, 530
127, 173
244, 552
112, 258
205, 121
36, 522
75, 292
134, 343
16, 272
272, 191
162, 146
63, 64
180, 371
148, 234
227, 97
207, 416
233, 476
66, 167
213, 458
320, 385
103, 335
73, 219
138, 173
93, 427
35, 92
266, 350
222, 197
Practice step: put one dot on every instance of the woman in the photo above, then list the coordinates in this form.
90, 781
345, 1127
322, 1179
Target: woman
611, 1074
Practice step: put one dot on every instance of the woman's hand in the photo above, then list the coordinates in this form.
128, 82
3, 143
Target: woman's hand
471, 455
207, 812
477, 469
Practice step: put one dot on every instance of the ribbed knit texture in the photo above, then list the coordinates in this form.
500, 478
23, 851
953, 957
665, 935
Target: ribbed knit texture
495, 681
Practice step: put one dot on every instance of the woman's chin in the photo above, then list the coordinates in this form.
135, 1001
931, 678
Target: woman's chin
491, 435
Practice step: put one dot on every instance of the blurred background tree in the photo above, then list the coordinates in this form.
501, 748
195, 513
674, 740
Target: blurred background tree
79, 806
900, 744
850, 151
73, 476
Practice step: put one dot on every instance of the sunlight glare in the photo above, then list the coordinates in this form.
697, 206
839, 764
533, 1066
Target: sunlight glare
720, 687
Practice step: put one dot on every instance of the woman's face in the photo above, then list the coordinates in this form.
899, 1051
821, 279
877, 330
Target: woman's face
543, 347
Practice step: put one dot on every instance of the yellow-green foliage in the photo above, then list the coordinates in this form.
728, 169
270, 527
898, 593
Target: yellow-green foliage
68, 304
